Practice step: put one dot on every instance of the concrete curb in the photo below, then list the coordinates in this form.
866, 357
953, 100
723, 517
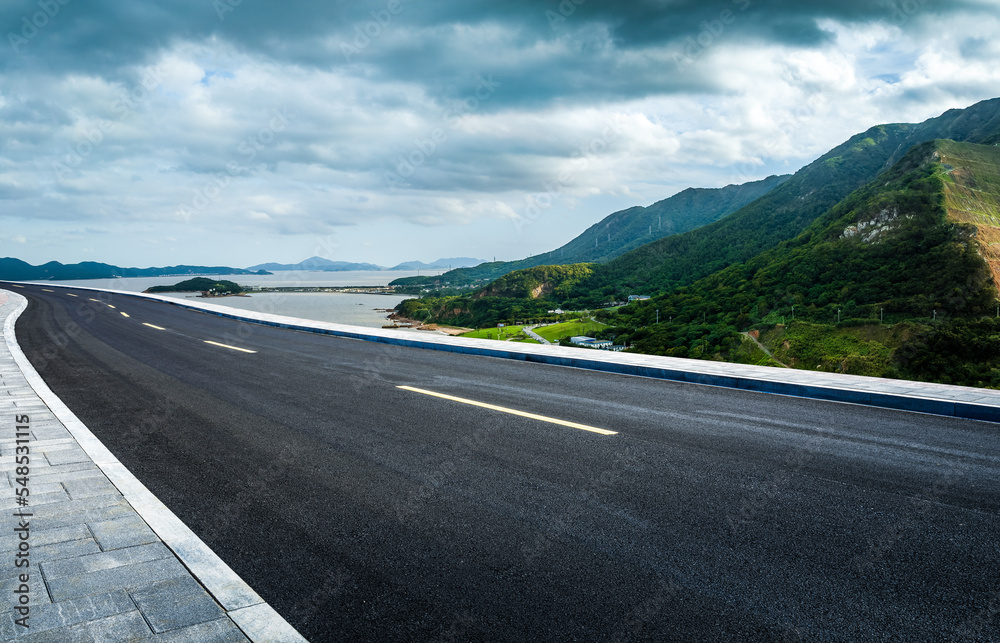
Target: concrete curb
920, 397
258, 621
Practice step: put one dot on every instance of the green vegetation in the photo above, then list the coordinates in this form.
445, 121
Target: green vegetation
201, 284
963, 352
505, 334
524, 296
748, 352
555, 332
886, 252
553, 282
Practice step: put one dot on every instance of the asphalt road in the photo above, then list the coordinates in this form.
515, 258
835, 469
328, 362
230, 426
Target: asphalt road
363, 511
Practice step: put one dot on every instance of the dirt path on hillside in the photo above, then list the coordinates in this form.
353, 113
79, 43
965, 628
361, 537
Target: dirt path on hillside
764, 348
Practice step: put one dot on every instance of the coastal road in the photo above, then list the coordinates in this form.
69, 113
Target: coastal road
361, 510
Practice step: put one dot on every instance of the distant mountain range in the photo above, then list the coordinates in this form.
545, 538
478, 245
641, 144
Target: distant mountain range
17, 270
325, 265
453, 262
620, 232
317, 264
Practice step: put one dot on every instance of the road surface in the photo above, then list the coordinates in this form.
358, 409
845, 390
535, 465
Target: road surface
365, 511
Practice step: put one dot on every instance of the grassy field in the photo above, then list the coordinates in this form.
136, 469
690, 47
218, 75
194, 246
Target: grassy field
555, 332
503, 334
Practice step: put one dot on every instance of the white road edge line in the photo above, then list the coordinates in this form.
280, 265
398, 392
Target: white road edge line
493, 407
235, 348
258, 620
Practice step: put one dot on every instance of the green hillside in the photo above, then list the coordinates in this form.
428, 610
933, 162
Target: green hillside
554, 282
971, 196
784, 212
875, 286
620, 232
524, 295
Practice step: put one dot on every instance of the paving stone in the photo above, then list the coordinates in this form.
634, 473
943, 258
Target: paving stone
105, 560
90, 488
67, 613
45, 536
40, 488
9, 501
59, 551
55, 475
176, 603
127, 531
116, 507
63, 469
37, 590
125, 576
119, 628
53, 442
52, 512
218, 631
67, 456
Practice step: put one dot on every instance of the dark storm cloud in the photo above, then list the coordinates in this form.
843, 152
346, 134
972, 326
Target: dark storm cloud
552, 49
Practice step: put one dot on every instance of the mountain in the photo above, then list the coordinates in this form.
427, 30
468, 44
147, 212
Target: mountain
316, 264
453, 262
622, 231
917, 248
17, 270
789, 209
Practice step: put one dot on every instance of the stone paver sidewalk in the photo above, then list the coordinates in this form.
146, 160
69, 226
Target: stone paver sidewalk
92, 568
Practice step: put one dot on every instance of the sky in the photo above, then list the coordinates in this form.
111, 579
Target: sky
237, 132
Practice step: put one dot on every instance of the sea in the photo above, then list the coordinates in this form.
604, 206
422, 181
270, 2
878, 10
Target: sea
356, 309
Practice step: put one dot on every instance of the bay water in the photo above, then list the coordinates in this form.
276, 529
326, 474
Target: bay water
356, 309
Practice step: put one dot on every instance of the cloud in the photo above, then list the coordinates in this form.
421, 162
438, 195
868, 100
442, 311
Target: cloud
172, 119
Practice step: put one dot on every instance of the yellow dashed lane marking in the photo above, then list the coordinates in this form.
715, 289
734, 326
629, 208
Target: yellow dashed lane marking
123, 314
152, 326
47, 290
533, 416
235, 348
71, 294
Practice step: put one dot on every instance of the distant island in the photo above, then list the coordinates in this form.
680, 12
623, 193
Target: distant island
207, 287
17, 270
